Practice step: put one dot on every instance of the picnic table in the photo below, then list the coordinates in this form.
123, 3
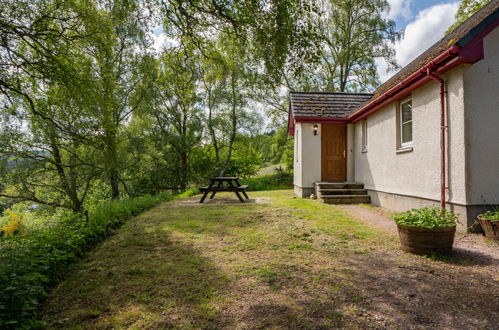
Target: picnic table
218, 184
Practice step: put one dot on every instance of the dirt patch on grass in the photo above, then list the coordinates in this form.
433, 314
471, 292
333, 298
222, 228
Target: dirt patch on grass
280, 263
219, 199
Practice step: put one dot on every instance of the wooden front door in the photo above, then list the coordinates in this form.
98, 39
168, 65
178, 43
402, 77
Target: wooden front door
334, 152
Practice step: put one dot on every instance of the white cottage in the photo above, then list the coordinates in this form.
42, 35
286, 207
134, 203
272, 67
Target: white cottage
429, 135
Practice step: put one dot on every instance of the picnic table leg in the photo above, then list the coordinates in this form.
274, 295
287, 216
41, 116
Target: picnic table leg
220, 184
206, 192
239, 196
236, 192
204, 196
244, 192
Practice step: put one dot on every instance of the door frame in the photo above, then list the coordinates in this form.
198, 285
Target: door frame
345, 153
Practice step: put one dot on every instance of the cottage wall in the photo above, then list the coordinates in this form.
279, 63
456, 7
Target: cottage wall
481, 81
307, 160
402, 179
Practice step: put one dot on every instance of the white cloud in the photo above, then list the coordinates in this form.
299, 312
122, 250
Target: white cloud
400, 8
161, 41
427, 28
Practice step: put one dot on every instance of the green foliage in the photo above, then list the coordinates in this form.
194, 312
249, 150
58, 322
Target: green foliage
465, 10
427, 217
491, 215
352, 35
31, 263
281, 180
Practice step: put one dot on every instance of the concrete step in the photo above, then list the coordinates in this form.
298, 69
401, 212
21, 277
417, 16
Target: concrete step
339, 185
342, 192
346, 199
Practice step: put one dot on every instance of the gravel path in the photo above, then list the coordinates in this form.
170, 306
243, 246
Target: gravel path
474, 247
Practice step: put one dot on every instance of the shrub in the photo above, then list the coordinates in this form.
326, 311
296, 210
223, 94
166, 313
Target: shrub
491, 215
33, 262
427, 217
281, 180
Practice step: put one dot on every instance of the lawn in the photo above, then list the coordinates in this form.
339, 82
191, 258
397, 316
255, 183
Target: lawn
278, 262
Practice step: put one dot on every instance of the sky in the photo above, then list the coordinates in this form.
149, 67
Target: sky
424, 23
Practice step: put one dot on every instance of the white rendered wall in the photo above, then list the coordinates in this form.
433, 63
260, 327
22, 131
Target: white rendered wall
481, 81
309, 155
415, 173
297, 163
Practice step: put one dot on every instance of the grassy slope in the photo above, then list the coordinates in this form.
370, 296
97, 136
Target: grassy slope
284, 262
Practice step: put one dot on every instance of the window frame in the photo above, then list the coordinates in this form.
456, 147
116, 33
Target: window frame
365, 139
401, 143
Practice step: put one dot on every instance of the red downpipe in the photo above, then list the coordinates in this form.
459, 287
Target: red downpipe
442, 136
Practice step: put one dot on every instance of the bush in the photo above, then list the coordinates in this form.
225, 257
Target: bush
427, 217
276, 181
490, 215
33, 262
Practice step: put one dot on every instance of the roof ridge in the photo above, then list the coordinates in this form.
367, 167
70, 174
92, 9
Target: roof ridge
340, 93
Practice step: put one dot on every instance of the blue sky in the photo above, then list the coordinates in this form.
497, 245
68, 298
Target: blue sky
424, 22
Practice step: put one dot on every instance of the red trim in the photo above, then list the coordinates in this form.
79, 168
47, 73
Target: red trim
447, 60
403, 88
474, 49
291, 122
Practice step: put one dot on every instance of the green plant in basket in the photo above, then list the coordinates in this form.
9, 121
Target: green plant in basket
427, 217
491, 215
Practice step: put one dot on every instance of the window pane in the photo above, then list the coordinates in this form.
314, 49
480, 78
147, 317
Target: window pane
407, 132
365, 123
364, 134
406, 112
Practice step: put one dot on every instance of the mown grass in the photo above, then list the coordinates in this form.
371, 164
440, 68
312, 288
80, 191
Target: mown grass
178, 265
282, 262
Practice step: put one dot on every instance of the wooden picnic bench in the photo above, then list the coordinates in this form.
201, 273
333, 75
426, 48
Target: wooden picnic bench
231, 184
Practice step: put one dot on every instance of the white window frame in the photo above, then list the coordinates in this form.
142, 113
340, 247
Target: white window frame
365, 139
407, 144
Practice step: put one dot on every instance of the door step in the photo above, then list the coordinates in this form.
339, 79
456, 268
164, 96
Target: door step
342, 193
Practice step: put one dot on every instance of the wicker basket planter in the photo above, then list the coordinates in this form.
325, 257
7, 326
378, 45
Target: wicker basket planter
490, 227
421, 240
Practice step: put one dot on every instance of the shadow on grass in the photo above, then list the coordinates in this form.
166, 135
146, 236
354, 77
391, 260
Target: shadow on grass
464, 257
164, 270
421, 293
143, 276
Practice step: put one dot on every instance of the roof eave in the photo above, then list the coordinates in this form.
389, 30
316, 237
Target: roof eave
468, 49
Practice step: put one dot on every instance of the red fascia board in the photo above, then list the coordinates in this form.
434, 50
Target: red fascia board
406, 91
474, 50
410, 83
291, 122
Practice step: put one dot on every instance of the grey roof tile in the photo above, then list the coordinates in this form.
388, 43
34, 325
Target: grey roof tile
325, 105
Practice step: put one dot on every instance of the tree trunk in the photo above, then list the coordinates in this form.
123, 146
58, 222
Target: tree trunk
234, 125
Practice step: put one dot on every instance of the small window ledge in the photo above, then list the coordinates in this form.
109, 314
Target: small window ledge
404, 150
364, 150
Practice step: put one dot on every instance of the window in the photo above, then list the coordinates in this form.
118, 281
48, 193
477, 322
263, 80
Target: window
364, 136
405, 118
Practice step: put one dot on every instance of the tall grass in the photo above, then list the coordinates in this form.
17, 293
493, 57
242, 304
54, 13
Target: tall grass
31, 263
